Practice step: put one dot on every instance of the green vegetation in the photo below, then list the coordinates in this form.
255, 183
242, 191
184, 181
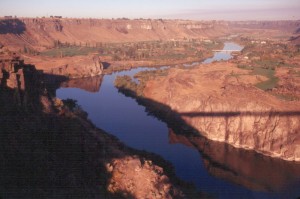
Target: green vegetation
129, 87
147, 75
265, 58
68, 51
137, 51
270, 74
245, 67
30, 51
71, 104
286, 97
266, 71
133, 89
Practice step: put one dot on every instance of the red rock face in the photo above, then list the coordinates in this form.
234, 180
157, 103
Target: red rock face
228, 111
43, 32
88, 66
134, 179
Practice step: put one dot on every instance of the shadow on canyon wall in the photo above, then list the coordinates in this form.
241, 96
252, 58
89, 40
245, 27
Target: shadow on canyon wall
13, 26
49, 155
46, 155
106, 65
243, 167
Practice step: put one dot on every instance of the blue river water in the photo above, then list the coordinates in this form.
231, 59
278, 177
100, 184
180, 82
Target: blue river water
123, 117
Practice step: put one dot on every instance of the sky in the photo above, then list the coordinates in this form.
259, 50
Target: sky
166, 9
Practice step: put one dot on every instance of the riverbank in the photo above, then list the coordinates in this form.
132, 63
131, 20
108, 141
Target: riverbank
52, 150
217, 101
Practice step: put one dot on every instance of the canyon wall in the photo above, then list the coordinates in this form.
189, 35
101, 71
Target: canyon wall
82, 66
287, 26
223, 107
40, 33
51, 151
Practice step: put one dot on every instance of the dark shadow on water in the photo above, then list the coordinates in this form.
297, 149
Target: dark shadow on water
13, 26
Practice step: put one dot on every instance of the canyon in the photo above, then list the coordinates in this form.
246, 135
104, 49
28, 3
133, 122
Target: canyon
34, 36
243, 106
51, 149
219, 102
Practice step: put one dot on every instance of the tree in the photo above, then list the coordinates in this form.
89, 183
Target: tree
71, 104
25, 50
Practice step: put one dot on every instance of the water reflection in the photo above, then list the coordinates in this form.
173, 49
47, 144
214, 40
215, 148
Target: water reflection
90, 84
244, 167
218, 56
203, 162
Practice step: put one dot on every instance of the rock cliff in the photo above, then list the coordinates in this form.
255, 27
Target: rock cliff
84, 66
51, 150
223, 107
40, 33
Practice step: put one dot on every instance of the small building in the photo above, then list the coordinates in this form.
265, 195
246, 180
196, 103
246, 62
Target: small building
56, 17
207, 41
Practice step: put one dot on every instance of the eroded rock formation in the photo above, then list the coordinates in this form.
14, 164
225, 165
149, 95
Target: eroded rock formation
45, 31
222, 107
88, 66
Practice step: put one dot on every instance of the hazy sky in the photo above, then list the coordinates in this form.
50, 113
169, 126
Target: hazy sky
183, 9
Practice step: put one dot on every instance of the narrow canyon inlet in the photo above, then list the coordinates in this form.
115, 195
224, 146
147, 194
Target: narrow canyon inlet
213, 167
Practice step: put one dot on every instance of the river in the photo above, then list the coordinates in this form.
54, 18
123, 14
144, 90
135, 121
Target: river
126, 119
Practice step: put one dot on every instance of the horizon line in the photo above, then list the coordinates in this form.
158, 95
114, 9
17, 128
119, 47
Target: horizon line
136, 18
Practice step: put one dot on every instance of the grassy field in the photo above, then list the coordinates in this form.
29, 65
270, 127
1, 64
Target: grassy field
139, 51
270, 74
69, 51
267, 72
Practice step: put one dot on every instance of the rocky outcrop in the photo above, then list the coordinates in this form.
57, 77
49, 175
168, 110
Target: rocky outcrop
24, 79
215, 104
128, 178
85, 67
